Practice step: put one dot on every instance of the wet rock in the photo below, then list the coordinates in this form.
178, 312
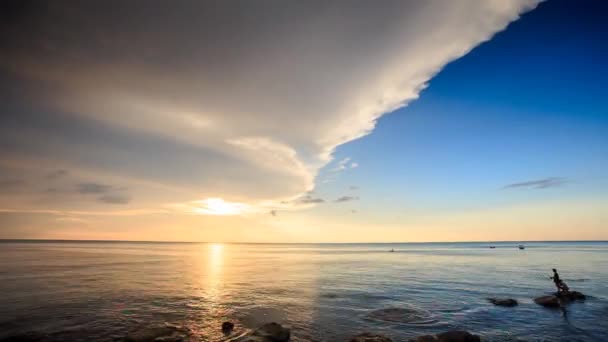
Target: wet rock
571, 296
458, 336
27, 337
548, 301
508, 302
369, 337
227, 327
156, 334
402, 315
271, 332
449, 336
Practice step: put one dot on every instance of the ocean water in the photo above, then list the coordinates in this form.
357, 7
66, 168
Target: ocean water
99, 291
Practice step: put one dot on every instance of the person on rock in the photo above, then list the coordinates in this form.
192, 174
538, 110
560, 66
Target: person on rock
562, 288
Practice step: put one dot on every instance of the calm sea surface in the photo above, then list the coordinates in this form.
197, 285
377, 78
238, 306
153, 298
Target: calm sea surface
100, 291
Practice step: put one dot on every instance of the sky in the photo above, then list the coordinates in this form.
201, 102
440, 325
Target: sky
345, 121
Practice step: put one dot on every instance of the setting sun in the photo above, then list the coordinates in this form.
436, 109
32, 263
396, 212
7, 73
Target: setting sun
217, 206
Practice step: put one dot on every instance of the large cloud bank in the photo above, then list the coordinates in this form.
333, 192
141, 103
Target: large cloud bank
238, 100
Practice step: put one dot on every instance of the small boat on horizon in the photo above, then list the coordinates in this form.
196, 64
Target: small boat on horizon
522, 247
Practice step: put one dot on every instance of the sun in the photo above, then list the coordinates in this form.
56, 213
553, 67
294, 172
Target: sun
217, 206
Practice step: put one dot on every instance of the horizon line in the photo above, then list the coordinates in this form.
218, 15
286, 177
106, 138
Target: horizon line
284, 243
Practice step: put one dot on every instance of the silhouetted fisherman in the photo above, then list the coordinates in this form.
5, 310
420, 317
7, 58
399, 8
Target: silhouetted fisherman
562, 288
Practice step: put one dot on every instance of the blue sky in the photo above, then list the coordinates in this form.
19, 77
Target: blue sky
527, 105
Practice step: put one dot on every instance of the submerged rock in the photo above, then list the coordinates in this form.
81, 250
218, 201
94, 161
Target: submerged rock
425, 338
508, 302
269, 332
369, 337
458, 336
156, 334
449, 336
548, 301
402, 315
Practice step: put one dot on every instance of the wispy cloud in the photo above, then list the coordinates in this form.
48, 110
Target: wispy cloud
344, 164
543, 183
93, 188
114, 199
346, 199
56, 174
310, 200
12, 183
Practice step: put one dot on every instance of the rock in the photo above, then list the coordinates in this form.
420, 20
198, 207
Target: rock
548, 301
227, 327
156, 334
571, 296
410, 315
369, 337
508, 302
449, 336
272, 332
425, 338
458, 336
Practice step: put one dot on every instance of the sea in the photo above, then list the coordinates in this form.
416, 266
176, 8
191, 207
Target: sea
102, 291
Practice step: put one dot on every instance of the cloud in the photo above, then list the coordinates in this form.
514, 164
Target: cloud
544, 183
56, 174
114, 199
353, 187
346, 199
12, 183
247, 103
93, 188
310, 200
344, 164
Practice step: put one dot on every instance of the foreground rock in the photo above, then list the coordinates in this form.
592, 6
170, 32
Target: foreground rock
507, 302
449, 336
269, 332
369, 337
157, 334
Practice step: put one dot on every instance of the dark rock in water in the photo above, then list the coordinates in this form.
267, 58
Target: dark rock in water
508, 302
227, 327
571, 296
270, 332
369, 337
449, 336
548, 301
458, 336
402, 315
329, 295
28, 337
156, 334
425, 338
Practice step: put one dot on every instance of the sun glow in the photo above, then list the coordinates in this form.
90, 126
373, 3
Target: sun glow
217, 206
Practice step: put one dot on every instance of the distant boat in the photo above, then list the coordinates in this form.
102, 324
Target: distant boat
492, 247
392, 250
522, 247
